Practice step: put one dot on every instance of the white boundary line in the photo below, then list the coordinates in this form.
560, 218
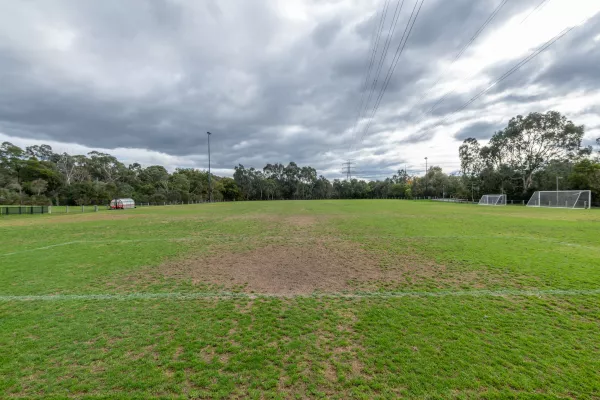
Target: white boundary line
358, 295
100, 241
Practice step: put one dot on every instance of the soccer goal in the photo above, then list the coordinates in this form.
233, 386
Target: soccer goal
493, 200
561, 199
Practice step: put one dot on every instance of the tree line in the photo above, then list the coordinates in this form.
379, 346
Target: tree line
540, 151
528, 155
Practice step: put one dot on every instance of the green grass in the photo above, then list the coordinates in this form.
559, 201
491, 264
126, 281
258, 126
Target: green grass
497, 303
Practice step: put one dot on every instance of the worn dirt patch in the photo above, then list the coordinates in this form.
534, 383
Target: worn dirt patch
318, 265
282, 268
308, 265
301, 221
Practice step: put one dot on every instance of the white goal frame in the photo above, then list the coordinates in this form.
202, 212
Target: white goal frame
572, 199
493, 200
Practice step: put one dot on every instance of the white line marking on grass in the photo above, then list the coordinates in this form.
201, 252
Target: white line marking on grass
230, 295
100, 241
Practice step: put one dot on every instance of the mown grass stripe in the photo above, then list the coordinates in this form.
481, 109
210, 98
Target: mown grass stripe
125, 241
99, 241
227, 295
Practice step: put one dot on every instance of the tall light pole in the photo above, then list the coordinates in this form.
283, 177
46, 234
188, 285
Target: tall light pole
209, 184
426, 178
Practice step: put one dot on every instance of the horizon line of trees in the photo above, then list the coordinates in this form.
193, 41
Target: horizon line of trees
528, 155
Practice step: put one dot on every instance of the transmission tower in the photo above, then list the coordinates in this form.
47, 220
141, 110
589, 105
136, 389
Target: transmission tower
348, 169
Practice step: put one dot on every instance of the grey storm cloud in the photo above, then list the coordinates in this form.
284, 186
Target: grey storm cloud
158, 74
479, 130
325, 33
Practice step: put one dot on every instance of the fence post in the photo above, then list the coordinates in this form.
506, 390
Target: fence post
49, 209
95, 208
82, 208
67, 208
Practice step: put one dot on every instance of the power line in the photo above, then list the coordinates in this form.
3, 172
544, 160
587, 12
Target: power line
460, 54
375, 37
508, 73
481, 29
542, 3
383, 55
382, 58
399, 50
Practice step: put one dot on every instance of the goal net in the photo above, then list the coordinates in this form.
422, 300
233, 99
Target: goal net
561, 199
493, 200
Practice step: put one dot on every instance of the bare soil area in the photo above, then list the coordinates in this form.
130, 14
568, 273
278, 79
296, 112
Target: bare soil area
319, 265
293, 221
282, 268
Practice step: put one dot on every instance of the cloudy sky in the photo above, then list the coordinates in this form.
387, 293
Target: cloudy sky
280, 81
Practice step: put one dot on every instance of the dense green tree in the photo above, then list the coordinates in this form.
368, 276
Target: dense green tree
230, 189
38, 186
586, 175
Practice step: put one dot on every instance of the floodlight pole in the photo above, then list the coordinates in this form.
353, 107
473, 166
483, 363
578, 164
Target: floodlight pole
209, 183
426, 178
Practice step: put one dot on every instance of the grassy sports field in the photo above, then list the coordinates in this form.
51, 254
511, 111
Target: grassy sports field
335, 299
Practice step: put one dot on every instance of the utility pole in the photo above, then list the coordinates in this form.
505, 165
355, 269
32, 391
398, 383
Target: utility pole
209, 183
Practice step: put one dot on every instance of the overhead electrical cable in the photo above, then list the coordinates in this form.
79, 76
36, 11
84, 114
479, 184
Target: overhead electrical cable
542, 3
508, 73
382, 59
375, 37
460, 54
405, 36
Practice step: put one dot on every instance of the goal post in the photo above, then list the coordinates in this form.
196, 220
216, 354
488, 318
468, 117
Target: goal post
493, 200
579, 199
